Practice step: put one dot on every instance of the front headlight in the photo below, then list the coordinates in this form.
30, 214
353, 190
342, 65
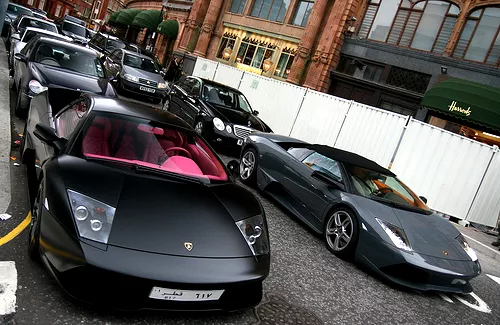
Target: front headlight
255, 233
93, 218
36, 87
162, 85
467, 248
219, 125
228, 129
396, 234
130, 77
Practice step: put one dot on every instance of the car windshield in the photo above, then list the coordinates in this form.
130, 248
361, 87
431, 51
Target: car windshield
74, 28
29, 34
16, 10
152, 145
28, 22
114, 45
381, 187
141, 63
322, 164
226, 98
69, 59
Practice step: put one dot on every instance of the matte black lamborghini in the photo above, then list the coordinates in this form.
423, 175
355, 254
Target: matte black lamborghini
363, 211
135, 211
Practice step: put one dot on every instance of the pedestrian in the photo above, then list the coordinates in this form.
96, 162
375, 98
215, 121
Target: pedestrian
180, 71
172, 70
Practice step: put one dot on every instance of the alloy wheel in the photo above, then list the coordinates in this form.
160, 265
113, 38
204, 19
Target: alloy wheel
199, 127
339, 230
247, 165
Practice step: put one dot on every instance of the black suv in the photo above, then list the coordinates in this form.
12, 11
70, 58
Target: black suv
104, 44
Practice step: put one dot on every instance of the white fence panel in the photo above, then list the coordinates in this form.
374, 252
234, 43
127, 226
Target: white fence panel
486, 207
444, 167
320, 118
278, 103
205, 68
371, 132
228, 75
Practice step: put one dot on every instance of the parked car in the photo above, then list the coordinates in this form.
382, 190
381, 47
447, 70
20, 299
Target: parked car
19, 25
218, 112
39, 13
104, 44
363, 212
90, 33
136, 75
74, 28
48, 62
13, 11
30, 32
139, 49
210, 255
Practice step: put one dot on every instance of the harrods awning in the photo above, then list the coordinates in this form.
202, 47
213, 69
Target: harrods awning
113, 17
126, 16
466, 100
169, 28
149, 19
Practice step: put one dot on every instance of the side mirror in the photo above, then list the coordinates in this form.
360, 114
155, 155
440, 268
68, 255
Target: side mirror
16, 36
172, 92
48, 135
255, 113
330, 181
21, 57
234, 168
423, 198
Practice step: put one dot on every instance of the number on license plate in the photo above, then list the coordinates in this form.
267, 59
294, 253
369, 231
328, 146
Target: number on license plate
149, 90
185, 295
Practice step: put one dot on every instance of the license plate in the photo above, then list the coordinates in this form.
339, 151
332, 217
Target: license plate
239, 142
185, 295
149, 90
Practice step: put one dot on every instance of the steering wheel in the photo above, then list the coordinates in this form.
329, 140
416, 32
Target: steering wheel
49, 61
177, 150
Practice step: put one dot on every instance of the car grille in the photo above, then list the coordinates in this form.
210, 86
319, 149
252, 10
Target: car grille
148, 82
242, 131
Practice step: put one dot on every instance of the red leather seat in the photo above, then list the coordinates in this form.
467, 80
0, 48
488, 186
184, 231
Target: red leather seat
96, 140
203, 160
122, 140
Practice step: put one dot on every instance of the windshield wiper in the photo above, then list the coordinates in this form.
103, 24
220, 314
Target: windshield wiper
142, 169
398, 205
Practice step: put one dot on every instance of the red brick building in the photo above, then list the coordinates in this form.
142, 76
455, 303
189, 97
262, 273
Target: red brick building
58, 8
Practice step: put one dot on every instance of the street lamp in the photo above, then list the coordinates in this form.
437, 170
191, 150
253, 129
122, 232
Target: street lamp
227, 53
267, 65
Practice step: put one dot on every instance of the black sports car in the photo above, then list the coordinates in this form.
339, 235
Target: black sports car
219, 113
363, 211
134, 210
46, 62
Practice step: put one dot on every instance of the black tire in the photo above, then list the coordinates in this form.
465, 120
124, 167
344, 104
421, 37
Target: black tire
34, 230
21, 105
248, 166
335, 233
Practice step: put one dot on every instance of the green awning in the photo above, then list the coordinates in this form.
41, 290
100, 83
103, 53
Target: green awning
113, 17
466, 100
169, 28
126, 16
149, 19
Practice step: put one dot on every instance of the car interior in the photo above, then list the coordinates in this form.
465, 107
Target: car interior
164, 148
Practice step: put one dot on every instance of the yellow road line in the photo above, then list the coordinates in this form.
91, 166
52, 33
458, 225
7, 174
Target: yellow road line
16, 231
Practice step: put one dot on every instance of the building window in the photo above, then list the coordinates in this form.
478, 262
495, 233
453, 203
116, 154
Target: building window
66, 12
41, 4
302, 12
285, 63
253, 52
270, 9
396, 108
228, 40
407, 79
31, 2
360, 69
480, 38
237, 6
426, 25
58, 10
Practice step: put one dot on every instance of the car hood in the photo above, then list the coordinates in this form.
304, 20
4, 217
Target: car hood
431, 235
156, 77
239, 118
52, 76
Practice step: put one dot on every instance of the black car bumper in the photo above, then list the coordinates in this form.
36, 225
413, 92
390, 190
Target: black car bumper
135, 88
414, 270
123, 278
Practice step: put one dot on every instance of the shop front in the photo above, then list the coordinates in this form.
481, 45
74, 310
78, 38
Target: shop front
256, 51
466, 108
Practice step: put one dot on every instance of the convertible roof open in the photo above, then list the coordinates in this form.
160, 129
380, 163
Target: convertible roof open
349, 158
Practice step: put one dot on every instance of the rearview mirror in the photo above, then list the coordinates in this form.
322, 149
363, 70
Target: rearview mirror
48, 135
423, 198
16, 36
21, 57
234, 167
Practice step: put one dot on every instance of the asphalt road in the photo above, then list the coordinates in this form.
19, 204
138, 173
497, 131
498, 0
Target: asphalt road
307, 284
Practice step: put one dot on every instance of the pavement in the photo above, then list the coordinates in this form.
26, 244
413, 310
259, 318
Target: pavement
306, 284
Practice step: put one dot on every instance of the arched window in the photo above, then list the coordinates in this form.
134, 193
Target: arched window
425, 25
480, 38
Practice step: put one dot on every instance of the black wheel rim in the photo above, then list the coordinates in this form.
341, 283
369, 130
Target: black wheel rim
35, 215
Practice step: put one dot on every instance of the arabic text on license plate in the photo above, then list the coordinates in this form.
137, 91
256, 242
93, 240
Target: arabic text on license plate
239, 142
185, 295
149, 90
